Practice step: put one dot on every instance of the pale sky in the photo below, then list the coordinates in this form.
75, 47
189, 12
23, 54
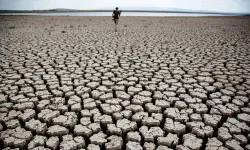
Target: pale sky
236, 6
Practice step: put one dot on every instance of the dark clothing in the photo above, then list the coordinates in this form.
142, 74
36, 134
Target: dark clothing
116, 14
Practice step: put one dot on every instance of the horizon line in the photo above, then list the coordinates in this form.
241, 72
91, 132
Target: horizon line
55, 10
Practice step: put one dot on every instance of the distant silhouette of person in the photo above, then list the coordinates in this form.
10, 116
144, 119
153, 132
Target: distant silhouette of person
116, 14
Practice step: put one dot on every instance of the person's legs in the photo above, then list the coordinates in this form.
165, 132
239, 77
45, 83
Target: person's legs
117, 20
116, 24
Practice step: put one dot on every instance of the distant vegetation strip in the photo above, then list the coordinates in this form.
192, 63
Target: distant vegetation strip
68, 11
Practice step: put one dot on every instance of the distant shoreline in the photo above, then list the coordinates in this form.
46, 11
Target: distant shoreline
75, 11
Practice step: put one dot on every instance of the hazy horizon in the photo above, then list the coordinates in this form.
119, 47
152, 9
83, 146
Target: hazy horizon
228, 6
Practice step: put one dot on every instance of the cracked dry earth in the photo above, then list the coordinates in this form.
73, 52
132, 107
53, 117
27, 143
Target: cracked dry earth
158, 83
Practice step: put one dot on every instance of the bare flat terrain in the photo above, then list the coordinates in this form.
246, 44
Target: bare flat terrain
158, 83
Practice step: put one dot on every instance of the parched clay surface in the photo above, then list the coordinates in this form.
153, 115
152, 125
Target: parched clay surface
158, 83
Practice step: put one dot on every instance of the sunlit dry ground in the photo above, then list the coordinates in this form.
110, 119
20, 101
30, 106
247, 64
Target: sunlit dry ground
158, 83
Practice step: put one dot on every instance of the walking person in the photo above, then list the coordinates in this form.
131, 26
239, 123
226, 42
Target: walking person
116, 14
